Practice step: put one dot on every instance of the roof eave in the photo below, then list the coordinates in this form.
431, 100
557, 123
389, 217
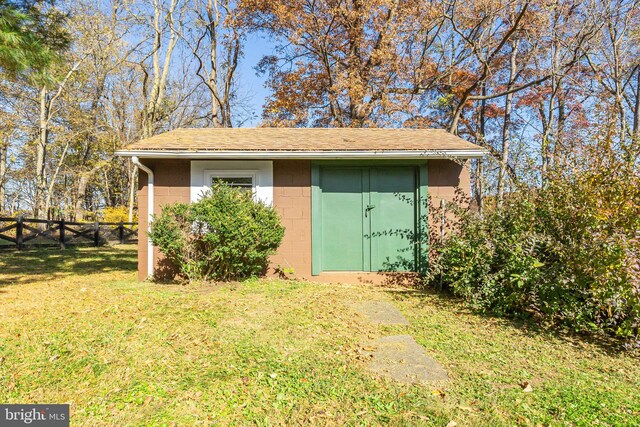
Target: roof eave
305, 155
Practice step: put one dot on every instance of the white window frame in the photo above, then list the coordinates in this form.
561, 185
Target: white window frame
203, 171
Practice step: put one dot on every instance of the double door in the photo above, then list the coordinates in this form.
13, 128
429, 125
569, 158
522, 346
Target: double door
368, 218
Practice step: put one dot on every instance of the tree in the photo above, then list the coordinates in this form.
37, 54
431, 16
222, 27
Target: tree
215, 39
349, 63
47, 103
615, 65
29, 37
530, 81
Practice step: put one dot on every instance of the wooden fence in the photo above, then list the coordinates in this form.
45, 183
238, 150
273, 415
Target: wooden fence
22, 232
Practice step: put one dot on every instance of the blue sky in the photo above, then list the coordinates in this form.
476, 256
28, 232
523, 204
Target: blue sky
252, 85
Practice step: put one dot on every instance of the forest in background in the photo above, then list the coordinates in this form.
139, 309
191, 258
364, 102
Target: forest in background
543, 85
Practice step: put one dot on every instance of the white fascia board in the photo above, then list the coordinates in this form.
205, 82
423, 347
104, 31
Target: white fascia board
310, 155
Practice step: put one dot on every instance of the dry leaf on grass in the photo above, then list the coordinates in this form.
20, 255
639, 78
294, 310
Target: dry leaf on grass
526, 387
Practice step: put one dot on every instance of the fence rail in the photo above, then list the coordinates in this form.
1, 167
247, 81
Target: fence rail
23, 232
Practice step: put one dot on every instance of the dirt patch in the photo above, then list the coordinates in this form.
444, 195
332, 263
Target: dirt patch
402, 359
382, 313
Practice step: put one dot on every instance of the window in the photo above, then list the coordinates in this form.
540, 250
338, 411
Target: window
245, 180
203, 173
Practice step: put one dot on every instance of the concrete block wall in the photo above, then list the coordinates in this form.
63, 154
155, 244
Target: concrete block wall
292, 200
444, 177
172, 181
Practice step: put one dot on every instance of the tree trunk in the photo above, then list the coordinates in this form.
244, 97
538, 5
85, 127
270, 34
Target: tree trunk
479, 166
636, 113
108, 199
562, 118
4, 147
506, 134
83, 182
54, 177
160, 75
41, 147
544, 140
213, 16
78, 209
547, 122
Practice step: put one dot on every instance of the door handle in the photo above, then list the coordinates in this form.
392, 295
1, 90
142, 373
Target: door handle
367, 209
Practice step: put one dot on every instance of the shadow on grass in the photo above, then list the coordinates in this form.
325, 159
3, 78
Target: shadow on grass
527, 325
19, 267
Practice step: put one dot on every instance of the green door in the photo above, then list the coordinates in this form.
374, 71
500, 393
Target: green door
343, 190
392, 218
367, 218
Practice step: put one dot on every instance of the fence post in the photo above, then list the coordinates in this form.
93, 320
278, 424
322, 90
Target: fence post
19, 222
96, 233
62, 234
121, 233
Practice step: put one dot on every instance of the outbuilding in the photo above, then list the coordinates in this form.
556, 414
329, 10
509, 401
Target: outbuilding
353, 201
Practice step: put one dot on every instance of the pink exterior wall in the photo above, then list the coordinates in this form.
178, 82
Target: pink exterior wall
172, 181
448, 181
444, 177
292, 200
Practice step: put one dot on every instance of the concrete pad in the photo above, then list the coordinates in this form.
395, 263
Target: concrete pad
401, 358
382, 313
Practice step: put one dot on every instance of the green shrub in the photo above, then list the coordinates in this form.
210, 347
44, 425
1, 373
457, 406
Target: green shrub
567, 254
226, 235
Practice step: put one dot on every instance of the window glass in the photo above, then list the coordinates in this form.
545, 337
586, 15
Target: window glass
243, 182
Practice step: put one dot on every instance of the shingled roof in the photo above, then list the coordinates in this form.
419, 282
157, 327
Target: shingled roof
303, 143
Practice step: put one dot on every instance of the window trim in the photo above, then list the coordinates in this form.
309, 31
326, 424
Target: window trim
262, 168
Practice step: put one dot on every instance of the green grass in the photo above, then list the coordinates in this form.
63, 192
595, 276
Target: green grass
77, 328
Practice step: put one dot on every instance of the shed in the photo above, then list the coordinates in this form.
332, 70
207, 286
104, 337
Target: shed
353, 201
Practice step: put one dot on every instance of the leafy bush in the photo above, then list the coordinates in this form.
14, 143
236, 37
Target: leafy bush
568, 253
117, 214
224, 236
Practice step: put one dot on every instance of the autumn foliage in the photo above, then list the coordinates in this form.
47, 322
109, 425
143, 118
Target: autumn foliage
568, 253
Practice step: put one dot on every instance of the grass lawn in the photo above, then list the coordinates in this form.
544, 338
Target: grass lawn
77, 328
